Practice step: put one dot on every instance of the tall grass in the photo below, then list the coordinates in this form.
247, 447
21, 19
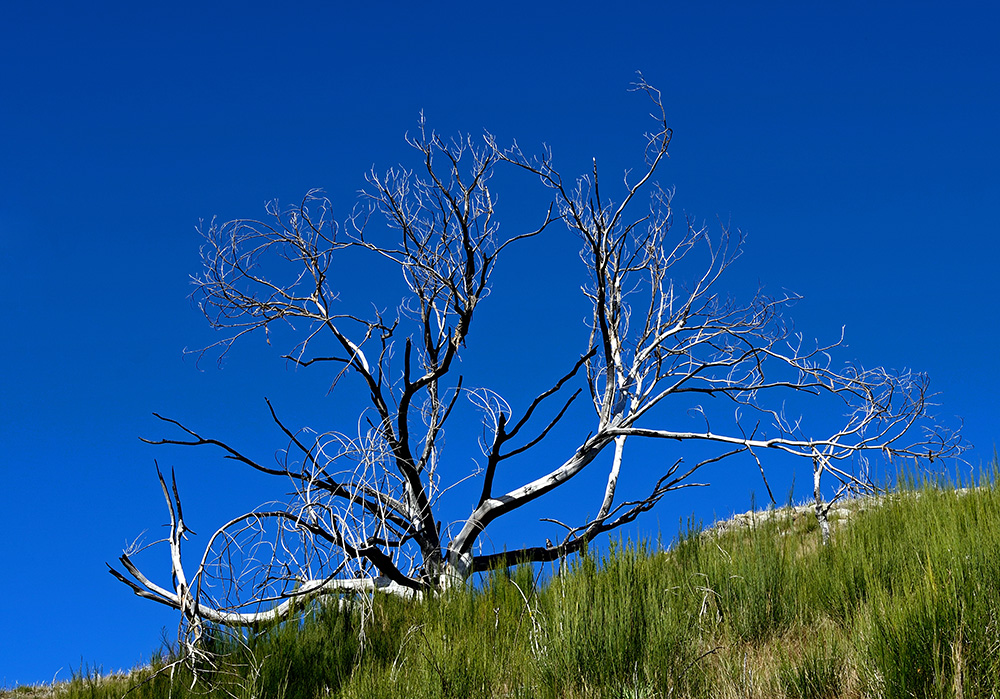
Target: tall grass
904, 602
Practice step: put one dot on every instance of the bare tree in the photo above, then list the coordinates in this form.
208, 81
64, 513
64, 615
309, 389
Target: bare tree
364, 514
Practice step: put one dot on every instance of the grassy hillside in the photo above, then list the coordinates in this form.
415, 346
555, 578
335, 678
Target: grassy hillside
904, 602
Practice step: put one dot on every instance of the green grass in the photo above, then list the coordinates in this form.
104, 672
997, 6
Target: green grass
904, 602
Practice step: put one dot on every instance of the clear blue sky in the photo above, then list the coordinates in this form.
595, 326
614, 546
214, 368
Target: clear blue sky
855, 143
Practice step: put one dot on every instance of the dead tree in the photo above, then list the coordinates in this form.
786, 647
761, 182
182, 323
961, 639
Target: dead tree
364, 515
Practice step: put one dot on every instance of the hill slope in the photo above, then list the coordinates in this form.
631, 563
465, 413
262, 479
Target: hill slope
903, 602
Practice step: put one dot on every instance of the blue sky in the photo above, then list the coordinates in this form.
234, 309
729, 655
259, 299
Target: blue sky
854, 143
